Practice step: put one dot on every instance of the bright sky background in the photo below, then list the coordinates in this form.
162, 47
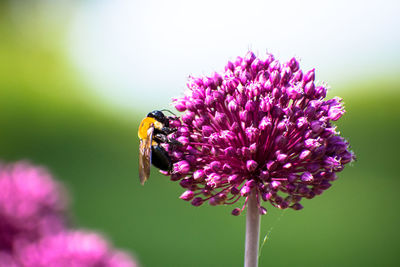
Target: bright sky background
133, 51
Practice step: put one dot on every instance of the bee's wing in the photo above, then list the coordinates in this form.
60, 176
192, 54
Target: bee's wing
145, 156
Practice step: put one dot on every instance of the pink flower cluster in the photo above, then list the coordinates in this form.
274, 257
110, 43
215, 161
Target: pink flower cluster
260, 125
33, 228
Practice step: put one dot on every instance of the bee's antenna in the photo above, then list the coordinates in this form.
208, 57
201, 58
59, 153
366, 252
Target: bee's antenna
168, 111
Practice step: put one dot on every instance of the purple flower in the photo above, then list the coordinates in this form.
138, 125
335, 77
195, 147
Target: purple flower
32, 225
259, 125
31, 204
72, 249
8, 260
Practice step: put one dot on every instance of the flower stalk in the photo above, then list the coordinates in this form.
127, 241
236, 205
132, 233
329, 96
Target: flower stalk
252, 231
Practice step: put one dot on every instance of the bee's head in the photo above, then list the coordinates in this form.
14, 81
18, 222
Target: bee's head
159, 116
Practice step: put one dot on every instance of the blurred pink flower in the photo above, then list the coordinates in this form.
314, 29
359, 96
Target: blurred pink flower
72, 249
7, 260
32, 204
33, 231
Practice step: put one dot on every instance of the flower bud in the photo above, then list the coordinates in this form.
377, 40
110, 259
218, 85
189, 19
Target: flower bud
275, 66
182, 167
265, 124
188, 117
249, 57
309, 88
307, 177
335, 113
186, 183
197, 201
294, 64
236, 212
275, 184
234, 179
305, 154
227, 169
272, 165
215, 165
250, 106
274, 78
281, 158
297, 206
320, 92
298, 76
229, 66
234, 190
286, 73
232, 106
207, 130
262, 210
251, 165
266, 196
309, 76
198, 175
180, 106
187, 195
245, 191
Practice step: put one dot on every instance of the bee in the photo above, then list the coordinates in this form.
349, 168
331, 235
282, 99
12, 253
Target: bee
154, 131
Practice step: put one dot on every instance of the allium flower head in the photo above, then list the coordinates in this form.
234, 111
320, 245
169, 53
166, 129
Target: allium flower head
262, 126
31, 204
72, 249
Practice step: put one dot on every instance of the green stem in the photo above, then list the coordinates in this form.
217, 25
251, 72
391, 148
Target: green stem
252, 231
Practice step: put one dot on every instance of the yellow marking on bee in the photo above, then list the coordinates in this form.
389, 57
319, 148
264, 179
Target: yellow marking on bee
146, 124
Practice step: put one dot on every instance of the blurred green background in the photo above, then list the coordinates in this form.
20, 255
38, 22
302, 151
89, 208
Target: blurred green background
51, 115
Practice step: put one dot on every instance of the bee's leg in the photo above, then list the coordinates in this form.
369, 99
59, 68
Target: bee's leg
168, 130
162, 138
173, 118
174, 142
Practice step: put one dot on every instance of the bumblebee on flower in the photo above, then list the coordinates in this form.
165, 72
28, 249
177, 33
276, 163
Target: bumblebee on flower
259, 125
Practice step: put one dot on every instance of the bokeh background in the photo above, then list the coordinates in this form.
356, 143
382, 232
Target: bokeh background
76, 77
